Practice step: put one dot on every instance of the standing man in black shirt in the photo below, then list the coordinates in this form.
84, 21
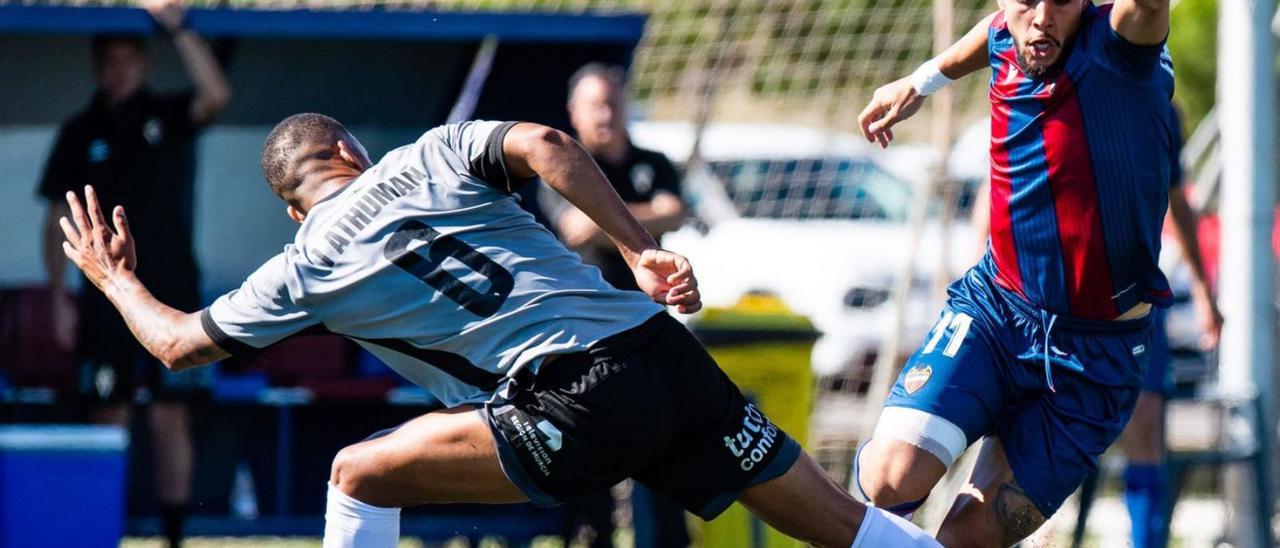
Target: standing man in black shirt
646, 180
650, 186
138, 149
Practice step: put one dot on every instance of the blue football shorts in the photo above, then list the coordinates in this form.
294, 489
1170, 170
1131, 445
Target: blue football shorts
1056, 391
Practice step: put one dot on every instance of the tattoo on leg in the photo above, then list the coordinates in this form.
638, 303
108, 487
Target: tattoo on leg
1017, 514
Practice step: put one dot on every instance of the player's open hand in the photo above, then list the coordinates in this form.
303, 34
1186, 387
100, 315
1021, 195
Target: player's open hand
668, 278
889, 105
101, 253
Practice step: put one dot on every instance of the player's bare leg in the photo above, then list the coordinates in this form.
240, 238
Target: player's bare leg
806, 504
1143, 437
892, 472
1144, 481
115, 414
991, 510
445, 456
171, 447
441, 457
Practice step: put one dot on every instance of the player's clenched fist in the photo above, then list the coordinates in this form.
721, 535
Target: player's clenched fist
668, 278
889, 105
101, 253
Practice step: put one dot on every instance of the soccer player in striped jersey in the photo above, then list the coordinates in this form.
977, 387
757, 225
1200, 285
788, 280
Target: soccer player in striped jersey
557, 384
1042, 346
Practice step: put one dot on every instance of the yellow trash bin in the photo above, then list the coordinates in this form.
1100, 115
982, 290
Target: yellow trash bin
765, 349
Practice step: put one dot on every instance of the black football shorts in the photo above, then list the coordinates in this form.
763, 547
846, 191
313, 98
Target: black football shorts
648, 403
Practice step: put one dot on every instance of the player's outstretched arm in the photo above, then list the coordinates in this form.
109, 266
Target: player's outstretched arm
901, 99
534, 150
1141, 22
108, 259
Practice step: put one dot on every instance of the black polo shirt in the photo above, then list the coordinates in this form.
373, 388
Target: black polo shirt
637, 179
140, 155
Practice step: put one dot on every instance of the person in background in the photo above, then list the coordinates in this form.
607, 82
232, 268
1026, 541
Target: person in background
138, 147
646, 180
650, 186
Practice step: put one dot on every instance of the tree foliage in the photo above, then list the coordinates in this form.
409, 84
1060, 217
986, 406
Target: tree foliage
1193, 43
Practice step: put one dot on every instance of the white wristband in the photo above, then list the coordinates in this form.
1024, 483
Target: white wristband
929, 79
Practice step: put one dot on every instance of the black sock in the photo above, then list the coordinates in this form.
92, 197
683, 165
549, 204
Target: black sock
173, 516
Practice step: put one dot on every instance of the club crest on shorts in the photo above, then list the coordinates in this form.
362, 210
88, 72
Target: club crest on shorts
916, 378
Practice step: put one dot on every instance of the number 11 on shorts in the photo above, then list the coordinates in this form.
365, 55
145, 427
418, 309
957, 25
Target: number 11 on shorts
954, 323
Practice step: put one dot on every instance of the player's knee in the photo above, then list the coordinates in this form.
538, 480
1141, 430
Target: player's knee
893, 473
876, 483
354, 472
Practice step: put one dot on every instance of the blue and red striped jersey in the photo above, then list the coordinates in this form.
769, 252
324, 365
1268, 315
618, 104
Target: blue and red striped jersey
1081, 162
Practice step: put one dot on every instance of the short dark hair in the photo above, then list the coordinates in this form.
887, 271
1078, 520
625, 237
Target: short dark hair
99, 43
614, 74
292, 137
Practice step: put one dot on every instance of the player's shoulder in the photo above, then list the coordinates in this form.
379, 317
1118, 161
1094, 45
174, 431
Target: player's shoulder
281, 270
300, 271
1101, 44
1095, 19
999, 39
998, 22
1093, 12
455, 132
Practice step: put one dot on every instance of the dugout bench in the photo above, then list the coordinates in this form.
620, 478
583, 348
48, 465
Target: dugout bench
282, 414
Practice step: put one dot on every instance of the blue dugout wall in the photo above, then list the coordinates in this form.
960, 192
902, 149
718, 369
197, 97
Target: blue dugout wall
389, 75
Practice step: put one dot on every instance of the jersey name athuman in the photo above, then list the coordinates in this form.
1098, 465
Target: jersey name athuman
366, 207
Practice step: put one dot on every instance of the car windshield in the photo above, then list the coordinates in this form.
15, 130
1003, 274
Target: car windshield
813, 188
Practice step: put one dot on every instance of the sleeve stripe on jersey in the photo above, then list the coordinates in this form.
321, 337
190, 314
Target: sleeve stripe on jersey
224, 341
491, 166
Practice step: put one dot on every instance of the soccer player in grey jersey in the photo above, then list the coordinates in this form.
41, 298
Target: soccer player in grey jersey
556, 384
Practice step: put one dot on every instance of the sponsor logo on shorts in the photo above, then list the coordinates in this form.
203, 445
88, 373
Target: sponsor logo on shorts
1139, 349
916, 378
529, 438
555, 439
752, 443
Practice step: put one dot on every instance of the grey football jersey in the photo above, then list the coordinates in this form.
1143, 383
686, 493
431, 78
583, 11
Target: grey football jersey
427, 261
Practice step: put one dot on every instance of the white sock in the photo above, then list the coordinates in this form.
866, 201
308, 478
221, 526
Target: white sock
349, 523
881, 528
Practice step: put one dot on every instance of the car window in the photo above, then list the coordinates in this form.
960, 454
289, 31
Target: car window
813, 188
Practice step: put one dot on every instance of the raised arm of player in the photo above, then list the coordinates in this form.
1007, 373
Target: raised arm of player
899, 100
212, 90
1141, 22
108, 259
535, 150
1184, 229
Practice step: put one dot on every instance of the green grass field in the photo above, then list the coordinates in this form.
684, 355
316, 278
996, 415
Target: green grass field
621, 540
302, 542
